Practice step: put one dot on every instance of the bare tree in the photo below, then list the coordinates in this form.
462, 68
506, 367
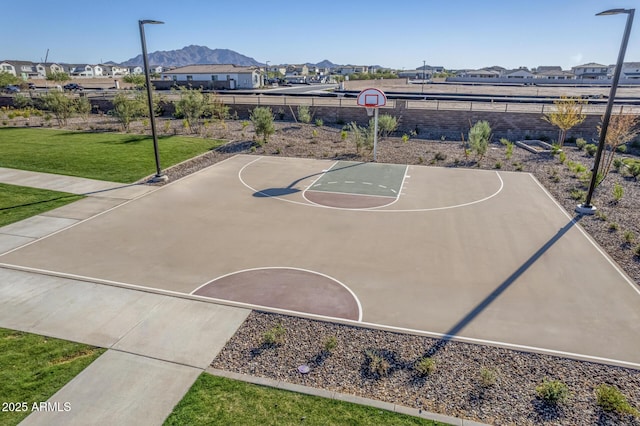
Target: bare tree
622, 129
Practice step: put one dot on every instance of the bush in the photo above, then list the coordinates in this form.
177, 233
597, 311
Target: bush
330, 344
274, 336
578, 194
376, 363
343, 135
613, 227
562, 157
262, 119
622, 148
319, 122
553, 391
591, 149
439, 156
498, 165
628, 236
617, 164
581, 143
425, 366
304, 114
609, 398
478, 137
618, 192
387, 124
487, 377
405, 138
636, 250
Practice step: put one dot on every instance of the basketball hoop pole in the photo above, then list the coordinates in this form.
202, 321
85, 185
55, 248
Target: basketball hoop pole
375, 135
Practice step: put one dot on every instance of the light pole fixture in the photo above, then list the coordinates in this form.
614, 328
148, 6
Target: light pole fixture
266, 72
159, 177
587, 208
424, 70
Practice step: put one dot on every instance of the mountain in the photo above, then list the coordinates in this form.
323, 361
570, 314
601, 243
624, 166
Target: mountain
325, 64
191, 55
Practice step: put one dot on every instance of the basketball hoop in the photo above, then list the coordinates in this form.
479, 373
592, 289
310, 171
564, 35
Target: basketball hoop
372, 99
370, 110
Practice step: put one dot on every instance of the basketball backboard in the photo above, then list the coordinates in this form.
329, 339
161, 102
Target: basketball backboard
371, 98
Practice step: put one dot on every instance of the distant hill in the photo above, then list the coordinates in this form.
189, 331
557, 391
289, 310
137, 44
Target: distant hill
191, 55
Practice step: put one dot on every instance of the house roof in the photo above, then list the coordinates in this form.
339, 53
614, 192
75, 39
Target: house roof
548, 68
212, 68
590, 65
553, 73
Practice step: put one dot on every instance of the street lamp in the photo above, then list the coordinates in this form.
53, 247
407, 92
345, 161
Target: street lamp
586, 207
424, 69
159, 177
266, 72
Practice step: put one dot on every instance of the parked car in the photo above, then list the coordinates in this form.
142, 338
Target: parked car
11, 89
32, 86
73, 87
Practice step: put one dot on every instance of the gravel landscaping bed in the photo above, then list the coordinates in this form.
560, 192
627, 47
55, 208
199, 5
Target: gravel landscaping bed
455, 387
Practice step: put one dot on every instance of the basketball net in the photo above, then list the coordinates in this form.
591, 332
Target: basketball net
370, 111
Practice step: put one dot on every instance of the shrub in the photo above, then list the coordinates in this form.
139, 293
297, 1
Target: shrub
578, 194
617, 164
387, 124
319, 122
581, 143
609, 398
601, 216
618, 192
487, 377
562, 157
330, 344
405, 138
274, 336
304, 114
613, 227
343, 135
479, 136
376, 363
628, 236
425, 366
622, 148
556, 149
262, 119
439, 156
591, 149
553, 391
498, 165
636, 250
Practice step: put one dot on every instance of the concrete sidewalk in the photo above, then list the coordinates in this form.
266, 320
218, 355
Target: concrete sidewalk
157, 345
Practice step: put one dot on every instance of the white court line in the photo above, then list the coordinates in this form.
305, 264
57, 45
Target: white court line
350, 193
291, 268
588, 237
375, 209
459, 338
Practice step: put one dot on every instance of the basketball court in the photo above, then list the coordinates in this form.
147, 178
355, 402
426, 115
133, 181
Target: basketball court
487, 256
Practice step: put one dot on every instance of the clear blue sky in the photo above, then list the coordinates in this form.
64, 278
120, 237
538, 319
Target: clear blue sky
398, 34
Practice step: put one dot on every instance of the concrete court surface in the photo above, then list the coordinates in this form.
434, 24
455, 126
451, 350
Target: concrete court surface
484, 255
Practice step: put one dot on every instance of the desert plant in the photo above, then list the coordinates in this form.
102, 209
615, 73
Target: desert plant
405, 138
601, 216
487, 377
439, 156
618, 192
262, 119
581, 143
343, 135
21, 101
609, 398
387, 124
425, 366
628, 236
622, 149
60, 105
591, 149
330, 344
617, 164
376, 363
562, 157
553, 391
479, 136
633, 167
319, 122
556, 149
274, 336
567, 114
636, 250
304, 114
126, 110
578, 194
622, 128
498, 165
613, 226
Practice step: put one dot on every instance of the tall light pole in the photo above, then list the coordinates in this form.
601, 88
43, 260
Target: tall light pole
159, 177
266, 72
424, 70
587, 208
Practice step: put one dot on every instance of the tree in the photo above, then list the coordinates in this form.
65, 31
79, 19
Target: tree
58, 76
262, 119
127, 110
622, 129
61, 105
567, 114
7, 79
83, 107
479, 136
191, 106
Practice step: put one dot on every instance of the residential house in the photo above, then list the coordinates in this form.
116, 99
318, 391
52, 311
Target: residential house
277, 69
295, 70
45, 68
478, 74
351, 69
81, 70
136, 70
213, 76
520, 73
21, 69
554, 74
629, 70
591, 71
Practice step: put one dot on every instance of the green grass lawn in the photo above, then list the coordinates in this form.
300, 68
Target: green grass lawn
113, 157
20, 202
215, 400
33, 368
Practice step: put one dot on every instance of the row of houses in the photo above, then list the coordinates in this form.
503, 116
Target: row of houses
590, 71
27, 70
